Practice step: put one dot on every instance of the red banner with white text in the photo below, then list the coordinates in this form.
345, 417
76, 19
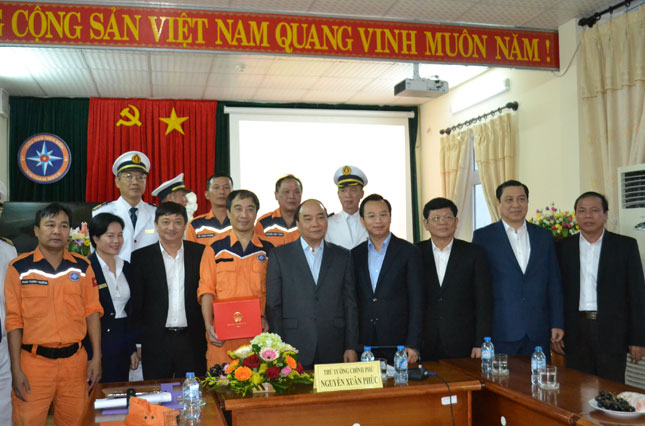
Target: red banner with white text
176, 135
190, 29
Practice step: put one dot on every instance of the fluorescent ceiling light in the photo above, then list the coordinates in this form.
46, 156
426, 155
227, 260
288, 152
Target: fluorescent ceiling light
13, 65
479, 91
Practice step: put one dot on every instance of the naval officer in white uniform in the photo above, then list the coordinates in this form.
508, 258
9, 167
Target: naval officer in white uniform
173, 190
131, 172
345, 228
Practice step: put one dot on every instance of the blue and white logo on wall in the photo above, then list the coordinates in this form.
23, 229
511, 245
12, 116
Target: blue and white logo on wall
44, 158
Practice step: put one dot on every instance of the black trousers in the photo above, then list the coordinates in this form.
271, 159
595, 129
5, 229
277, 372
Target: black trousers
116, 349
173, 357
585, 352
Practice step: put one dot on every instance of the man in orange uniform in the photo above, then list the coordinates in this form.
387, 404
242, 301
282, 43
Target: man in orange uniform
234, 265
52, 303
279, 226
206, 228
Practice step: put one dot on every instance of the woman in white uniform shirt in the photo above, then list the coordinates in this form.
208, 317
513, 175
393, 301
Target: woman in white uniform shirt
117, 343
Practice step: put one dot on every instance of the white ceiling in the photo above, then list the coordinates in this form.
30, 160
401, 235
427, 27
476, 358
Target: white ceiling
86, 72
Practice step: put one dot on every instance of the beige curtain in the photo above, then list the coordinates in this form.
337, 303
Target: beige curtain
456, 168
612, 88
494, 155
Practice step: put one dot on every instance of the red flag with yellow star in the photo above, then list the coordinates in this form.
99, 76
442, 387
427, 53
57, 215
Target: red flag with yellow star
176, 135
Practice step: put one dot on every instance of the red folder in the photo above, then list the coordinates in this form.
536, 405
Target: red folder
237, 318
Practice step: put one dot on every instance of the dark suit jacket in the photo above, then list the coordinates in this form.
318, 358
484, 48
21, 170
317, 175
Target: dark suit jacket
620, 287
524, 304
104, 295
307, 315
457, 313
149, 296
107, 320
393, 314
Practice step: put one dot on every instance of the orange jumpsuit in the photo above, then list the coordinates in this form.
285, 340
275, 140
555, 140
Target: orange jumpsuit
51, 307
227, 271
205, 229
273, 228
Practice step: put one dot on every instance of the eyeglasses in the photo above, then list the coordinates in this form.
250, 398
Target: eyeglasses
130, 177
446, 219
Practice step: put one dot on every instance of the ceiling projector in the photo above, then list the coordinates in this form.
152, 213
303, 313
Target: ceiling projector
421, 87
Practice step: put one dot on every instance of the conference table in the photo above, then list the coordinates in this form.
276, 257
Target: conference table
513, 400
481, 400
425, 402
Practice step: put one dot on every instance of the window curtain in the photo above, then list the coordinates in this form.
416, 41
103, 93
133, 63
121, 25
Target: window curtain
493, 146
192, 152
66, 118
456, 169
612, 89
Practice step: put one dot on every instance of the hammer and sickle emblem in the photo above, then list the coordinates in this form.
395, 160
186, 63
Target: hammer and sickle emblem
237, 317
133, 119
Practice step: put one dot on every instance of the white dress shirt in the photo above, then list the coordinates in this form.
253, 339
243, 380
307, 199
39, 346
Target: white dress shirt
175, 275
519, 243
345, 230
441, 257
117, 285
589, 260
314, 257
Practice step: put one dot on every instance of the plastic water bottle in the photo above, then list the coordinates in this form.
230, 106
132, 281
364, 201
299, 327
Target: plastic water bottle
367, 354
192, 400
401, 366
488, 353
538, 362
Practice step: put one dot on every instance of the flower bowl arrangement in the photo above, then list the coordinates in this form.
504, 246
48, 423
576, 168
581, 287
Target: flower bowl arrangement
79, 240
266, 361
561, 224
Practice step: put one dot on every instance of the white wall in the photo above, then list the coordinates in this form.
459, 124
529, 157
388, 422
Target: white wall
547, 139
4, 150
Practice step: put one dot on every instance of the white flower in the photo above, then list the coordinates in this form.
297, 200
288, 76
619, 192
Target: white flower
288, 348
243, 351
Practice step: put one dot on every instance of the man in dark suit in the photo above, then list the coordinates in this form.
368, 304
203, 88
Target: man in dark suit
389, 285
459, 296
604, 294
311, 294
165, 311
527, 291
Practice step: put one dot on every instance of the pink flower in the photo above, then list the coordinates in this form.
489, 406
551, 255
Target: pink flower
269, 354
553, 227
84, 228
537, 211
285, 371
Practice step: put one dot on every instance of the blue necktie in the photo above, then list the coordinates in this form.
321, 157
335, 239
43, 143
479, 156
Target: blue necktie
133, 216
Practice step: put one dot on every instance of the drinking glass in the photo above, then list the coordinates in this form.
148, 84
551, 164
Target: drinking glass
383, 364
549, 377
500, 364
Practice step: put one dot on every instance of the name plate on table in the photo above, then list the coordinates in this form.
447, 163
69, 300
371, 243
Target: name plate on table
237, 318
348, 376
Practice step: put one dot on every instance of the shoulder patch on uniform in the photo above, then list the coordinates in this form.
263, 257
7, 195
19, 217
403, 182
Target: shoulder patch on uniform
98, 206
7, 240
